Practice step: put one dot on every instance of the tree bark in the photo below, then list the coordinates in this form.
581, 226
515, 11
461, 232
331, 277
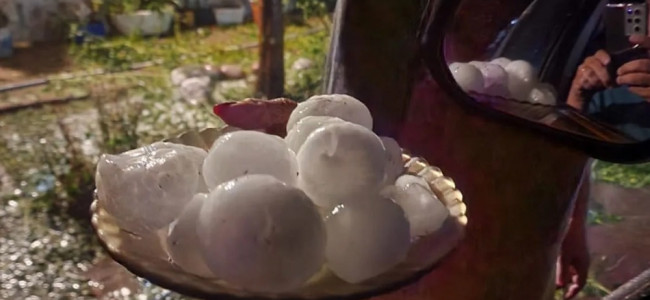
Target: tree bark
271, 74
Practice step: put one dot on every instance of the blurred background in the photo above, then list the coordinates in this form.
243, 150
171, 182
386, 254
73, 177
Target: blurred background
83, 77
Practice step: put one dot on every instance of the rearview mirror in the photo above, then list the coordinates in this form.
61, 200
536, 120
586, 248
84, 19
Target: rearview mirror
519, 64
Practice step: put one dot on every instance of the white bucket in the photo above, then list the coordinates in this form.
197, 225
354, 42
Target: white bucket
229, 16
143, 22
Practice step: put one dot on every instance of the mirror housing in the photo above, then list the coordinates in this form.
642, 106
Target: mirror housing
441, 14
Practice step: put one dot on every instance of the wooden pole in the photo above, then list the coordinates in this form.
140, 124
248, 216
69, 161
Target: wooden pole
271, 75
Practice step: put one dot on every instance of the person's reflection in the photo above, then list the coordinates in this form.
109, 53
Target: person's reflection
623, 101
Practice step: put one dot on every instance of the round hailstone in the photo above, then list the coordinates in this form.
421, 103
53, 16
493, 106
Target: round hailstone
147, 188
341, 106
468, 77
180, 74
340, 162
183, 240
477, 64
262, 235
366, 238
521, 79
495, 79
501, 61
543, 94
455, 65
196, 90
249, 152
394, 163
299, 133
425, 212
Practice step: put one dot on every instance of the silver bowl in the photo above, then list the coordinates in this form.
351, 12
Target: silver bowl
146, 256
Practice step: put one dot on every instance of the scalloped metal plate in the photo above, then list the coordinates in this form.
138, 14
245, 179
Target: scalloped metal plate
146, 257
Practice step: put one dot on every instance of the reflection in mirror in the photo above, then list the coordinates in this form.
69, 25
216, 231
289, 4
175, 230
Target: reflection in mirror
516, 80
581, 67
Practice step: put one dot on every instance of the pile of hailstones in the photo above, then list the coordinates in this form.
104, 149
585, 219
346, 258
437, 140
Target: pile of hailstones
266, 214
504, 78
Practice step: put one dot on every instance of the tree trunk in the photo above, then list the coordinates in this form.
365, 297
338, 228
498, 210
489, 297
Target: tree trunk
271, 75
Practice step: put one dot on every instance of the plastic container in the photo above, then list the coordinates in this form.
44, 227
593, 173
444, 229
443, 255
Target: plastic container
144, 22
97, 29
6, 43
229, 15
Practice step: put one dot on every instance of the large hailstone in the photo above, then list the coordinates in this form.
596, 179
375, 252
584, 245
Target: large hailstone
146, 189
521, 79
196, 90
341, 162
477, 63
344, 107
544, 94
366, 238
495, 79
249, 152
394, 163
424, 211
407, 179
299, 133
261, 234
183, 241
467, 76
501, 61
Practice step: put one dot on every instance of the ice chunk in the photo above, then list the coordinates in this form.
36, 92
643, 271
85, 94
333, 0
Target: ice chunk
478, 64
146, 189
299, 133
543, 94
183, 241
366, 238
249, 152
468, 77
340, 162
425, 212
261, 234
522, 77
407, 179
394, 164
501, 61
341, 106
196, 90
495, 80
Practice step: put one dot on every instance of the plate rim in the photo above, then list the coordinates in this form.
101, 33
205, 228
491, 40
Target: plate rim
459, 221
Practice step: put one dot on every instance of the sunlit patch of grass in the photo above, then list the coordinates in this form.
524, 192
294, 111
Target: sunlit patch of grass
632, 176
200, 46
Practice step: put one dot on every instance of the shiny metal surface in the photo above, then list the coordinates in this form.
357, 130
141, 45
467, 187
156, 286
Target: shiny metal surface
146, 257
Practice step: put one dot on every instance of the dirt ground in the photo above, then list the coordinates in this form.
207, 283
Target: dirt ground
34, 62
619, 250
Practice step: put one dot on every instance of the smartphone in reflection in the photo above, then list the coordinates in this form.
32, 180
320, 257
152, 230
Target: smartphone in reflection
623, 19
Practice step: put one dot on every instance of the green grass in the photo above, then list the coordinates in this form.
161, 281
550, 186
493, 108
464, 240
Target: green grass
201, 46
632, 176
31, 142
